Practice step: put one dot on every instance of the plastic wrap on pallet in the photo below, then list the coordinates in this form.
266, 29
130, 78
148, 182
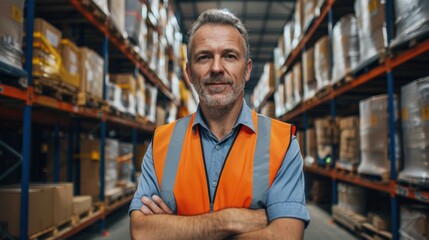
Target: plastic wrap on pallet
278, 60
125, 164
371, 26
322, 62
309, 78
69, 71
297, 83
311, 147
279, 102
288, 37
410, 16
414, 222
152, 47
133, 20
327, 135
141, 96
114, 96
415, 126
151, 96
11, 32
290, 101
46, 55
117, 15
352, 197
374, 136
125, 81
90, 166
162, 64
91, 73
298, 30
103, 6
345, 47
349, 143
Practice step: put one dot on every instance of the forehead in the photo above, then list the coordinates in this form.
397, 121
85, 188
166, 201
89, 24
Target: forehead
220, 34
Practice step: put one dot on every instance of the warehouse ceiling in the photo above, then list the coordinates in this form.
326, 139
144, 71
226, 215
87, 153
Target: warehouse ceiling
264, 21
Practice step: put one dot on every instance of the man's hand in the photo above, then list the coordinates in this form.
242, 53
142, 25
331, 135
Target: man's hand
154, 206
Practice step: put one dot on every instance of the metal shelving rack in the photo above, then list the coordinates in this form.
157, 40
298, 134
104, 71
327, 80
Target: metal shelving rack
385, 70
29, 99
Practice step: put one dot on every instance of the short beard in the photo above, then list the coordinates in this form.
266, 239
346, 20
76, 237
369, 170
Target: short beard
218, 105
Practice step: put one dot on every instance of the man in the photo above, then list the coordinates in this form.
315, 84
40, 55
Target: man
225, 171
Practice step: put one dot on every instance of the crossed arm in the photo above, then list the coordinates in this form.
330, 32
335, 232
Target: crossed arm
156, 221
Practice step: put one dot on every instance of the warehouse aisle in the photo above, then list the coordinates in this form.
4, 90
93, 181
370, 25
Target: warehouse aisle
320, 227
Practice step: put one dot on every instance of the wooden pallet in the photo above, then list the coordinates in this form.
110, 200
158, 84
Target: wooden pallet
83, 216
347, 78
113, 196
88, 100
323, 91
371, 232
48, 233
382, 178
410, 40
55, 89
349, 219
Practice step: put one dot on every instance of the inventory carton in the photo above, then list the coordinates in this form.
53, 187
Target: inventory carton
40, 211
61, 199
45, 29
70, 54
81, 204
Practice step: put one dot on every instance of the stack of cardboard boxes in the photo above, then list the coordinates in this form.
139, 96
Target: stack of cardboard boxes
349, 144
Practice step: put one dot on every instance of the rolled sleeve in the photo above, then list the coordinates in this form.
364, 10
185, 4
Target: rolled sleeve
148, 183
286, 197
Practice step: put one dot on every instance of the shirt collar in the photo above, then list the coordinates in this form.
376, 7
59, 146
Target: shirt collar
245, 118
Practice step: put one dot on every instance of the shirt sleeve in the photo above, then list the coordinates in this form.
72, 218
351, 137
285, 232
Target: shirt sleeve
148, 183
286, 197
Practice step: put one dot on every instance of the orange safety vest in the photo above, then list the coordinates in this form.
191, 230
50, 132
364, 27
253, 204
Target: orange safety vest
248, 171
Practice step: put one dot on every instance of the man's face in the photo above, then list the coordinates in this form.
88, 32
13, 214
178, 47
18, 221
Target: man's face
218, 68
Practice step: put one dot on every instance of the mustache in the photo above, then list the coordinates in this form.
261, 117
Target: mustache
217, 79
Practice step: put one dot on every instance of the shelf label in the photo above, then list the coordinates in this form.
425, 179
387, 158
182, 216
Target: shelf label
402, 191
421, 197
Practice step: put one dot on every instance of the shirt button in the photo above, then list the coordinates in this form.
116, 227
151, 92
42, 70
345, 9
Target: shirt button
214, 184
217, 147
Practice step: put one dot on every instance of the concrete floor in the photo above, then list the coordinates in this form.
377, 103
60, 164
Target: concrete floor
117, 225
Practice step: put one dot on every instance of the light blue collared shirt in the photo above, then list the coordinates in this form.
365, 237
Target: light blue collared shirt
286, 198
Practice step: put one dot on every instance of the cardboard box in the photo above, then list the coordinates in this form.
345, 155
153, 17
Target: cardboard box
61, 199
40, 211
70, 55
91, 73
160, 115
11, 28
117, 15
81, 204
51, 33
126, 81
297, 82
322, 62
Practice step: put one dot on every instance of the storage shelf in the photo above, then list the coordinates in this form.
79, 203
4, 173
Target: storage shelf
48, 102
125, 47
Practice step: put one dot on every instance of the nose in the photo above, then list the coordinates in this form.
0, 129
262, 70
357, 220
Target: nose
217, 67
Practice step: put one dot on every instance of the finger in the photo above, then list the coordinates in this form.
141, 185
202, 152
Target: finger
151, 205
161, 204
145, 210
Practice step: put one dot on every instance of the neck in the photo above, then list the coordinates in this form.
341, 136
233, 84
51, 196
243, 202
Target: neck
221, 120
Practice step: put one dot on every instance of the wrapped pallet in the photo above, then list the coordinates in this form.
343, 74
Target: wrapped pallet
322, 62
311, 147
70, 68
327, 135
345, 44
151, 96
11, 33
352, 197
414, 222
90, 166
279, 100
298, 30
411, 17
374, 136
349, 144
152, 48
117, 15
415, 126
309, 78
125, 163
288, 37
371, 27
103, 6
133, 20
114, 97
92, 76
140, 96
309, 12
290, 100
297, 83
46, 56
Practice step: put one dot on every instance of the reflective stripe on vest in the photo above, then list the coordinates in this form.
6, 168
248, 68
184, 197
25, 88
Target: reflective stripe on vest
270, 146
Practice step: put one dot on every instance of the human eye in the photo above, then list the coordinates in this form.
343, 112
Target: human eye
202, 57
230, 56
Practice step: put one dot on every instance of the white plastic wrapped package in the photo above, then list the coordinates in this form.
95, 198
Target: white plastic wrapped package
322, 62
415, 125
410, 16
309, 78
414, 222
345, 47
371, 26
374, 136
288, 38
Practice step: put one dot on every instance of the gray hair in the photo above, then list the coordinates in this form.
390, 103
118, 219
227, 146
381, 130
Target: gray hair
218, 16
